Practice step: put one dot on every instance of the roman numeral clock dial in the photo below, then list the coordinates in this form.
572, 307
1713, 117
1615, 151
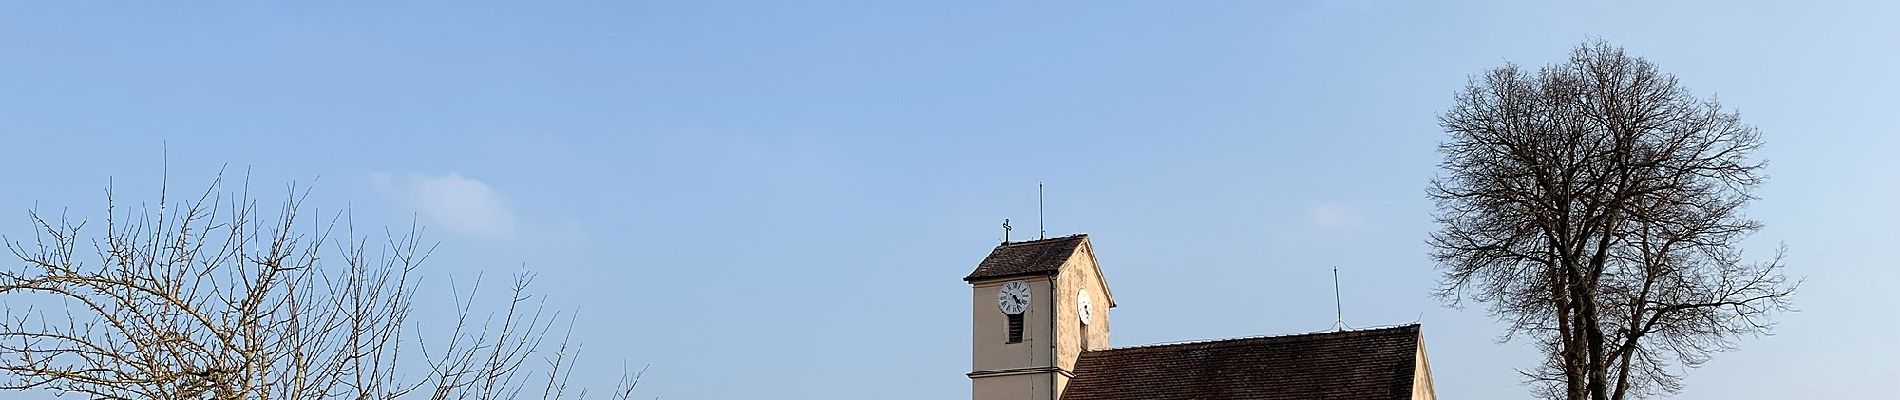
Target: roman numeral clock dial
1013, 297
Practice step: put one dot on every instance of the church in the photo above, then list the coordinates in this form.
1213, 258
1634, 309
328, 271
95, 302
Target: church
1039, 331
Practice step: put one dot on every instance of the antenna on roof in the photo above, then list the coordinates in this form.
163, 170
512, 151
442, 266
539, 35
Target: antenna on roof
1339, 311
1040, 233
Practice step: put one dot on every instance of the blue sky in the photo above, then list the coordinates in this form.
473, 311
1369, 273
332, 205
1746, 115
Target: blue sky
777, 200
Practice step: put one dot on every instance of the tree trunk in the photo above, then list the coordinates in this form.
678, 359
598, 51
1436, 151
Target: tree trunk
1622, 377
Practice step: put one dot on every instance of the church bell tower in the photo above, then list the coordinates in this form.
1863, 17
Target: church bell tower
1035, 306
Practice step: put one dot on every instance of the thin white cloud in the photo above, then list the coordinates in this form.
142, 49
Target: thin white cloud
451, 202
1335, 217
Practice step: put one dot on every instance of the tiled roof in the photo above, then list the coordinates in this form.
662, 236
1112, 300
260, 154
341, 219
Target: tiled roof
1042, 256
1351, 365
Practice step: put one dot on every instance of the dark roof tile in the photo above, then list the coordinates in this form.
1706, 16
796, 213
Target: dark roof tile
1043, 256
1351, 365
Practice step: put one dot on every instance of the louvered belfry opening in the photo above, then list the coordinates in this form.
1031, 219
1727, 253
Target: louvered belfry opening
1015, 328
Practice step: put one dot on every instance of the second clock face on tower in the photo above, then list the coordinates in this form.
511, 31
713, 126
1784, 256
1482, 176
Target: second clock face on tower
1082, 307
1013, 297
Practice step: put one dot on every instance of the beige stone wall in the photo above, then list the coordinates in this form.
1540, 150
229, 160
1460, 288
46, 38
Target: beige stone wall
1012, 387
990, 328
1422, 375
1080, 273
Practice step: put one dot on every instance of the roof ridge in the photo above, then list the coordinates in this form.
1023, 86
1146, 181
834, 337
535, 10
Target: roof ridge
1043, 240
1305, 335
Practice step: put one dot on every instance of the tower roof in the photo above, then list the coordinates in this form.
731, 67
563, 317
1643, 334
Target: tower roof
1034, 257
1351, 365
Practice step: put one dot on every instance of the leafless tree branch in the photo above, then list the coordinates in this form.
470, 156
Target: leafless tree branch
208, 298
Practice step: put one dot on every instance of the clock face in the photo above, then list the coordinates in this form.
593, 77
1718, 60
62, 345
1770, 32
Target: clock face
1082, 306
1013, 298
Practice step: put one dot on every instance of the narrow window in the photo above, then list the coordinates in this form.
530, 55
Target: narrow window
1083, 331
1015, 328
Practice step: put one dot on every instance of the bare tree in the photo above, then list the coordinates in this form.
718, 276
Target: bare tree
208, 299
1596, 206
